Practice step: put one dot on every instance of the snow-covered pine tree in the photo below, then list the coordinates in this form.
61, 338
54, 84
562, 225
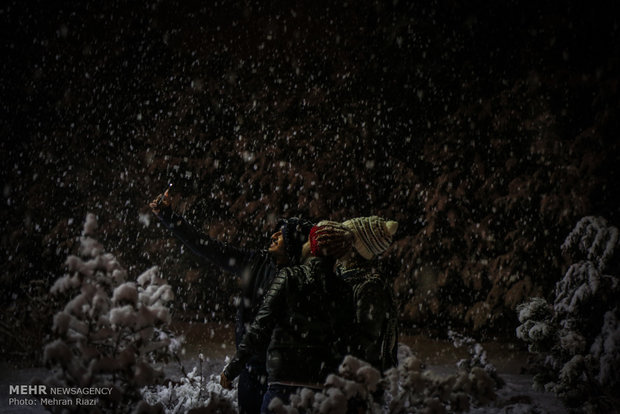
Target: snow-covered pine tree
577, 337
113, 332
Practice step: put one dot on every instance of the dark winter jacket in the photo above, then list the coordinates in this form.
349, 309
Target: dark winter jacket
375, 317
306, 318
256, 269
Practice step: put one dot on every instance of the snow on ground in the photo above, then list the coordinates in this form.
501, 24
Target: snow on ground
215, 343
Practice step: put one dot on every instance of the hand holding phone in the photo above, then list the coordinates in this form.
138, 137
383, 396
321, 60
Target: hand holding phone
162, 200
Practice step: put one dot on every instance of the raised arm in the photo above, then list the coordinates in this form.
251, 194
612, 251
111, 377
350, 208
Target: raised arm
232, 259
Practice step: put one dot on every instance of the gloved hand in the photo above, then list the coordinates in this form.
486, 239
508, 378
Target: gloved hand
330, 239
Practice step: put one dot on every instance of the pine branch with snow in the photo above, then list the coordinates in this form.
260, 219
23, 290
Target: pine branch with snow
592, 239
537, 328
577, 338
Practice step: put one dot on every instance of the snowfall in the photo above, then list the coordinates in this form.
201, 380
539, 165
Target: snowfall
208, 346
119, 333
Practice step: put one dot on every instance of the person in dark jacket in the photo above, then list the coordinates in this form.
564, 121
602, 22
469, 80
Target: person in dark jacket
304, 322
376, 313
255, 268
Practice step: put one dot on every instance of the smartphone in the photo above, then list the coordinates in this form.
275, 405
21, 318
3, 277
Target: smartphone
161, 199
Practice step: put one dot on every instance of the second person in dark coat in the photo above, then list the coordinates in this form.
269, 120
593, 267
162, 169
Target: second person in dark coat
304, 323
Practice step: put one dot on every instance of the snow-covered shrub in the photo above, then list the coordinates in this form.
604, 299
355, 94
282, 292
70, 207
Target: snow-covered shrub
415, 390
356, 381
477, 357
403, 389
192, 392
112, 332
577, 337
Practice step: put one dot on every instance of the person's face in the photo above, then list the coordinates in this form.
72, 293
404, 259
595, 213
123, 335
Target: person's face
277, 249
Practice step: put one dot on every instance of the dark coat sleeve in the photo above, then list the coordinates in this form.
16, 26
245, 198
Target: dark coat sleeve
259, 333
372, 309
229, 258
